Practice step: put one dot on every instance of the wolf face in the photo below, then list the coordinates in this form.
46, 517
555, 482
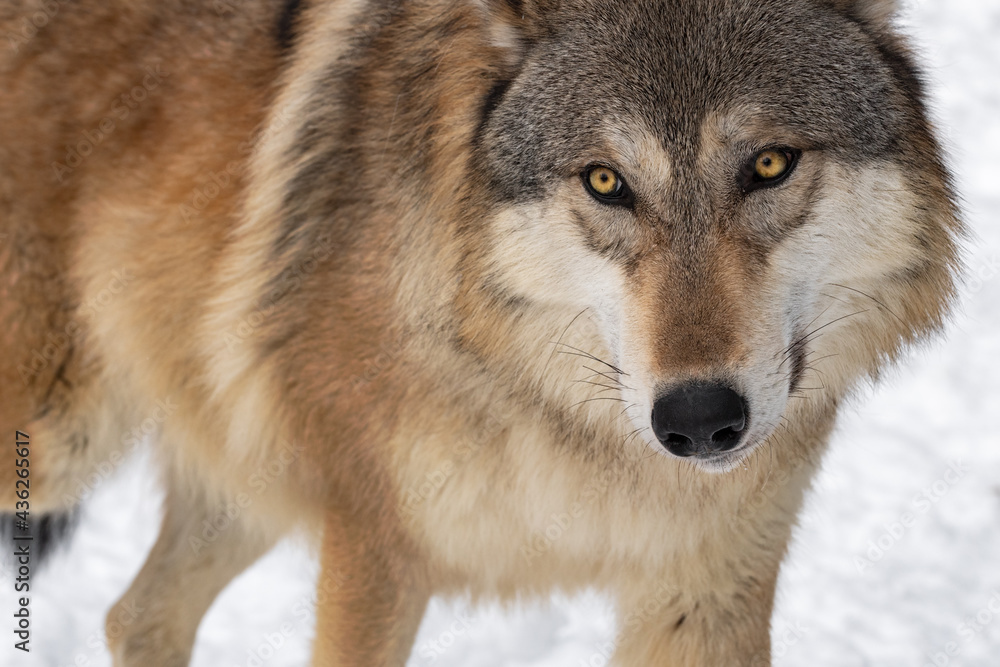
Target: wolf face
728, 187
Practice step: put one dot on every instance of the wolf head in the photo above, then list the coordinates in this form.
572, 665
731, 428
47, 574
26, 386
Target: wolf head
745, 193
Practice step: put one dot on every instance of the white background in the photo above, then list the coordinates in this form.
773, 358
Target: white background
900, 608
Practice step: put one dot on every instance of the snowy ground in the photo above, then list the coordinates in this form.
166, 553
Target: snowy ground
859, 589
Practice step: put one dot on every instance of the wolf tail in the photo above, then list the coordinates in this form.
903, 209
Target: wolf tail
45, 535
40, 498
51, 465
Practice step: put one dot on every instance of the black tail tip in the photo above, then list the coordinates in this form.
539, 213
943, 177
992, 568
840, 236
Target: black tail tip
44, 535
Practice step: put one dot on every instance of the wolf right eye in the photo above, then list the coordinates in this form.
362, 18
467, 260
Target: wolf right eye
606, 186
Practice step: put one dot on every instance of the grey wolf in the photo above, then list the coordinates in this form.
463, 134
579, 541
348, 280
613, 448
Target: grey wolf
486, 296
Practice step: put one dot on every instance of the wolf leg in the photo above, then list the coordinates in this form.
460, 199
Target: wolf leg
666, 628
155, 622
369, 604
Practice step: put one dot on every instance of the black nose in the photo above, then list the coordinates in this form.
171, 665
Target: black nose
699, 418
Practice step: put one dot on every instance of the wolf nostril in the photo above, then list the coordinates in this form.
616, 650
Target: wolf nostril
726, 439
678, 445
699, 418
679, 441
724, 434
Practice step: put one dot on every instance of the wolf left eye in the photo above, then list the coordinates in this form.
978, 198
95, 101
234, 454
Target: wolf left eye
768, 167
606, 186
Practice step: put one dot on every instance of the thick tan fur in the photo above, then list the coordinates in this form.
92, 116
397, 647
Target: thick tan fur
362, 386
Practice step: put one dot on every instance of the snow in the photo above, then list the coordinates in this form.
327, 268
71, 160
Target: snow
896, 554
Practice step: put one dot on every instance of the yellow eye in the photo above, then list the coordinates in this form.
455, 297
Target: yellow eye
603, 181
606, 186
771, 164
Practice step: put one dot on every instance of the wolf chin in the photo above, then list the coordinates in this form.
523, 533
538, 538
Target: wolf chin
487, 297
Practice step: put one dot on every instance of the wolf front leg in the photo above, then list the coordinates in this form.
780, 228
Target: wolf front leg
663, 627
370, 599
155, 622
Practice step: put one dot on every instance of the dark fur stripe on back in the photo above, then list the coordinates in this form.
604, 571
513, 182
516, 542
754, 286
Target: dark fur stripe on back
286, 23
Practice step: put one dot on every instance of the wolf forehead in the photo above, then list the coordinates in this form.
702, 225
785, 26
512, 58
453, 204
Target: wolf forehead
808, 66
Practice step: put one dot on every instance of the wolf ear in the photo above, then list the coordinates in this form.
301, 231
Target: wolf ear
512, 25
876, 12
